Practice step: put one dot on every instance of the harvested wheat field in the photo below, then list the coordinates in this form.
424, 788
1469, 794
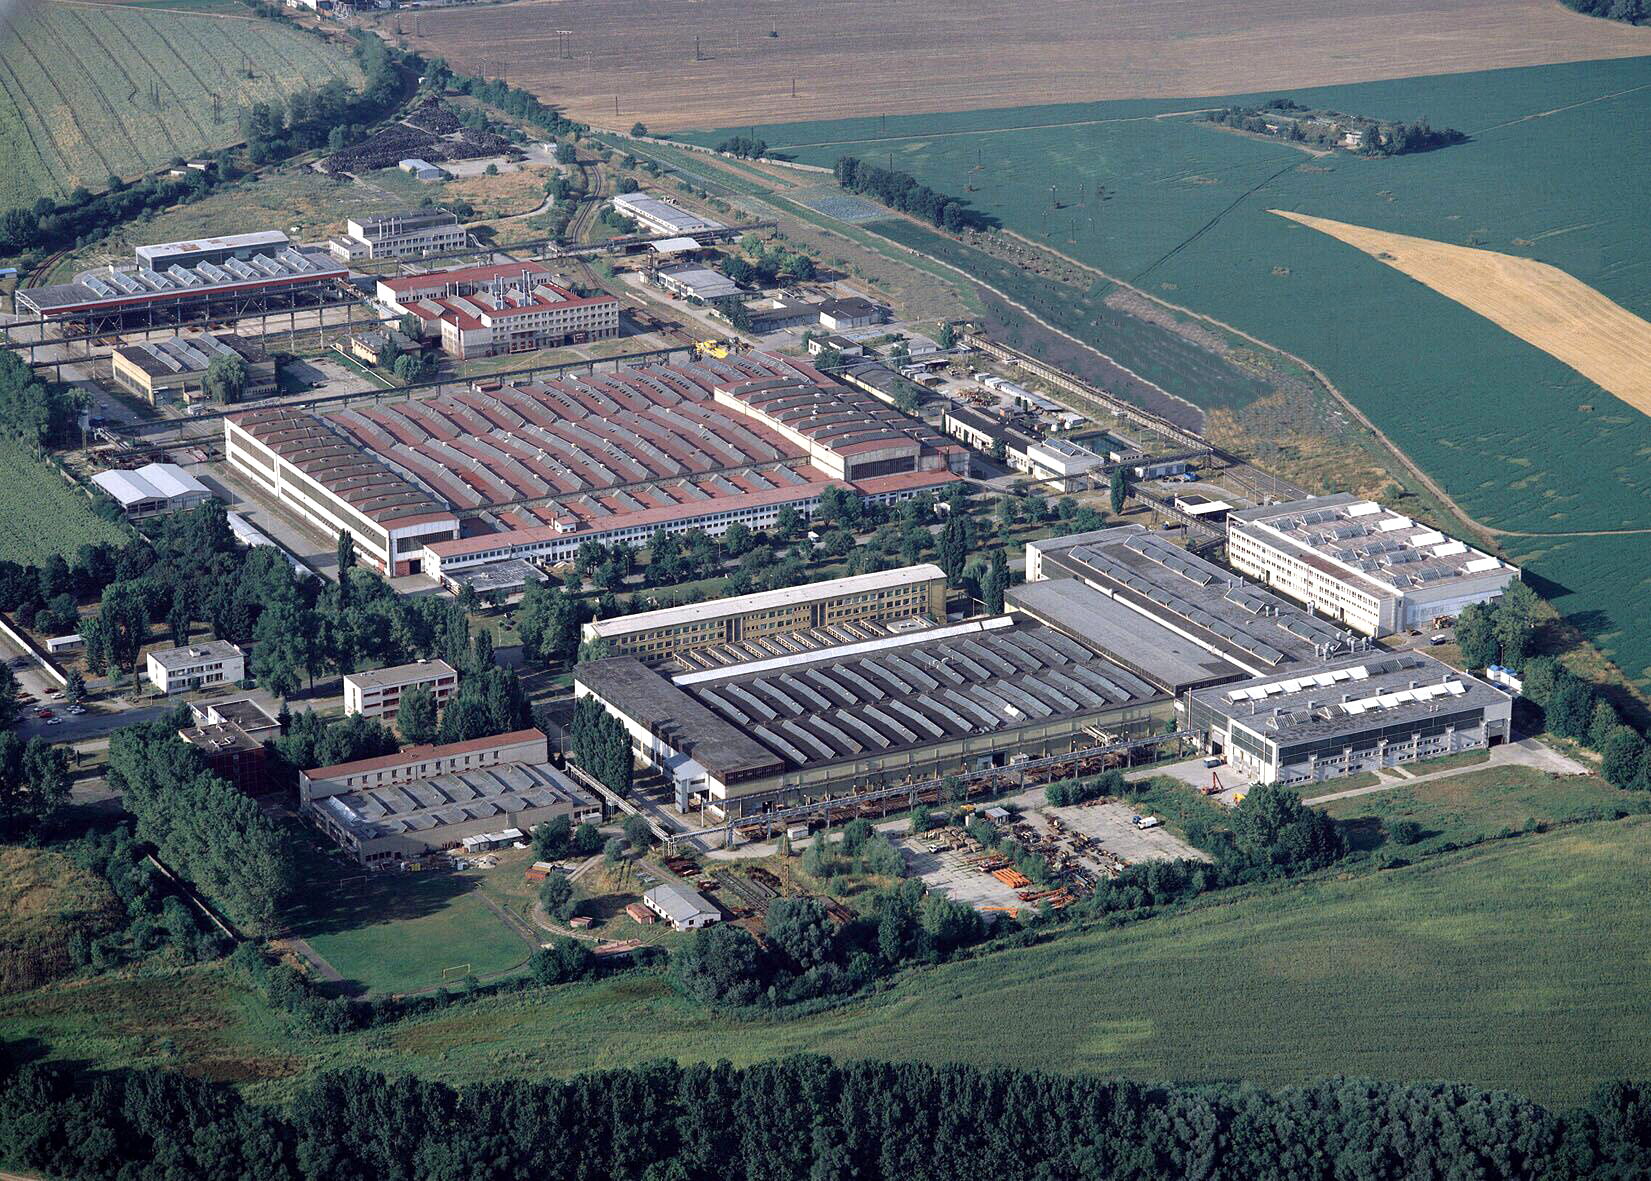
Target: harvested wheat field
1538, 303
869, 57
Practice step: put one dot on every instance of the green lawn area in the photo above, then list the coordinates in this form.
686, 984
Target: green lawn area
44, 515
1469, 807
403, 930
396, 932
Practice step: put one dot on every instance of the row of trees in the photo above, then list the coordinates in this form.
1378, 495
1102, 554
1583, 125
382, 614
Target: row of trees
806, 956
767, 263
41, 414
1504, 632
601, 744
809, 1117
85, 216
34, 775
1328, 129
206, 830
901, 191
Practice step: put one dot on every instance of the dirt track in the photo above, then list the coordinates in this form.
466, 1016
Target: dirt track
869, 57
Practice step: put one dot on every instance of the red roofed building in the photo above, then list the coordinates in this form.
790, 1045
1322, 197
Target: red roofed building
506, 308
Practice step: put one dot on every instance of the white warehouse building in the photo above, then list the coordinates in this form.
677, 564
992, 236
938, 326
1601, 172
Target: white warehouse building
1372, 569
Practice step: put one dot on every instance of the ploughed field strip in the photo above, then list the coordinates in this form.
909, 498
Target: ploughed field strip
1539, 303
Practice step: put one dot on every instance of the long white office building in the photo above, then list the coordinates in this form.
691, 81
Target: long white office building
315, 474
1372, 569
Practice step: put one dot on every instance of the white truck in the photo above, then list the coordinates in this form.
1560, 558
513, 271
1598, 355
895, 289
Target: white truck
1145, 822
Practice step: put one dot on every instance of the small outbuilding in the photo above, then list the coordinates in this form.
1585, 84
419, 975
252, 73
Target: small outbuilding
684, 909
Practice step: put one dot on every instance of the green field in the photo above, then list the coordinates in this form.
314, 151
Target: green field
44, 515
398, 933
92, 92
1552, 171
1494, 965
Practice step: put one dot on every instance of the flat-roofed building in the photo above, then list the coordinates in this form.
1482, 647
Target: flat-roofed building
195, 666
244, 712
852, 312
702, 283
378, 691
1064, 465
1357, 713
1246, 625
1138, 642
408, 234
661, 215
153, 489
505, 308
192, 252
232, 753
174, 368
306, 465
1375, 570
400, 807
793, 729
911, 592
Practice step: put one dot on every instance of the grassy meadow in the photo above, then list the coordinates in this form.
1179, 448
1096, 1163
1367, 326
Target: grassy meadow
1179, 209
1515, 963
92, 92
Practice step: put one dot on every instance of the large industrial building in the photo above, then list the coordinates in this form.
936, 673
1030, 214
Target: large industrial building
175, 367
1249, 627
662, 216
402, 806
1375, 570
324, 479
411, 234
739, 739
174, 282
507, 308
1359, 713
777, 622
538, 468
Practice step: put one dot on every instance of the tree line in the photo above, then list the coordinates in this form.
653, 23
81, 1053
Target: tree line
208, 831
809, 1117
1502, 632
601, 744
902, 191
41, 414
1635, 12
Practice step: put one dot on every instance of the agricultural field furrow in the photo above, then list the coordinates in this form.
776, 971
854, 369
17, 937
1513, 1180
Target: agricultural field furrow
89, 30
60, 113
45, 516
77, 84
28, 164
78, 75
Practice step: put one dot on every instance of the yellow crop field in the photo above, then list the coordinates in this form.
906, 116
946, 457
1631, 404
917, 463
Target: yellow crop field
1539, 303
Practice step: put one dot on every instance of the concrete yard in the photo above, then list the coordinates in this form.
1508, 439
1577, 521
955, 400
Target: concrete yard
949, 873
1110, 825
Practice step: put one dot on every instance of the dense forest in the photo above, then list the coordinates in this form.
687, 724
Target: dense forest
807, 1117
1635, 12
